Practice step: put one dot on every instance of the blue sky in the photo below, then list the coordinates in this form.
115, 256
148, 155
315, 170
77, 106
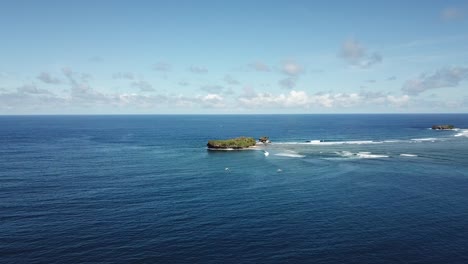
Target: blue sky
215, 57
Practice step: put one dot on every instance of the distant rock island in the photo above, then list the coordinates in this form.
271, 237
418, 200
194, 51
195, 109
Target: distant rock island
443, 127
239, 143
233, 143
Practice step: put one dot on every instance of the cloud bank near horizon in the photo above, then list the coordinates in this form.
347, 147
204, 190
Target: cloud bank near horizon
183, 64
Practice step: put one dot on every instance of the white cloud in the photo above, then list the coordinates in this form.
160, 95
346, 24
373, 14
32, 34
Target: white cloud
355, 54
47, 78
138, 100
288, 83
300, 99
162, 67
293, 99
143, 86
398, 101
212, 101
19, 102
260, 66
291, 68
83, 95
217, 89
80, 90
198, 69
123, 75
230, 80
212, 88
442, 78
32, 89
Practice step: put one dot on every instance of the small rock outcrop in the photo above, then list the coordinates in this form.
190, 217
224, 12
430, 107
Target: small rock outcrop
264, 140
442, 127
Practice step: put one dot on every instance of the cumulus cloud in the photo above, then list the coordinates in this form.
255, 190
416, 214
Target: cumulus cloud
212, 101
212, 88
398, 101
123, 75
75, 76
442, 78
230, 80
162, 67
198, 69
32, 89
260, 66
288, 83
268, 100
138, 100
355, 54
300, 99
19, 102
47, 78
80, 90
291, 68
83, 95
143, 86
452, 13
217, 89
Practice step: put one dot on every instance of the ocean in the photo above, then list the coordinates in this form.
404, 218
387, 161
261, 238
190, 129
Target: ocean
380, 188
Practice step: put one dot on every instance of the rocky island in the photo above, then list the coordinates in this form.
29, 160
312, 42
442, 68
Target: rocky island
232, 144
442, 127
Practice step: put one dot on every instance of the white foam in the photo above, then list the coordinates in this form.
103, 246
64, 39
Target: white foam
424, 139
463, 133
408, 155
350, 142
266, 153
392, 141
290, 155
360, 155
368, 155
345, 153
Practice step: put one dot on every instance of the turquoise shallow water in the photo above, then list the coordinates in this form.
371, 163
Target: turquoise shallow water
144, 189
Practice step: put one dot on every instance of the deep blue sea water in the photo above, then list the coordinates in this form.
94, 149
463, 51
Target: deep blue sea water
144, 189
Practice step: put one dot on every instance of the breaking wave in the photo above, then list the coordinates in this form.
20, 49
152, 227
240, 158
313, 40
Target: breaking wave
462, 133
360, 155
408, 155
424, 139
290, 155
332, 142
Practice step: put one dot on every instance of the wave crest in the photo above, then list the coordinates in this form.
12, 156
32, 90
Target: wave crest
360, 155
290, 155
462, 133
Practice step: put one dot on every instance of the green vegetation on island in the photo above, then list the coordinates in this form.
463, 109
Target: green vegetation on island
233, 143
442, 127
